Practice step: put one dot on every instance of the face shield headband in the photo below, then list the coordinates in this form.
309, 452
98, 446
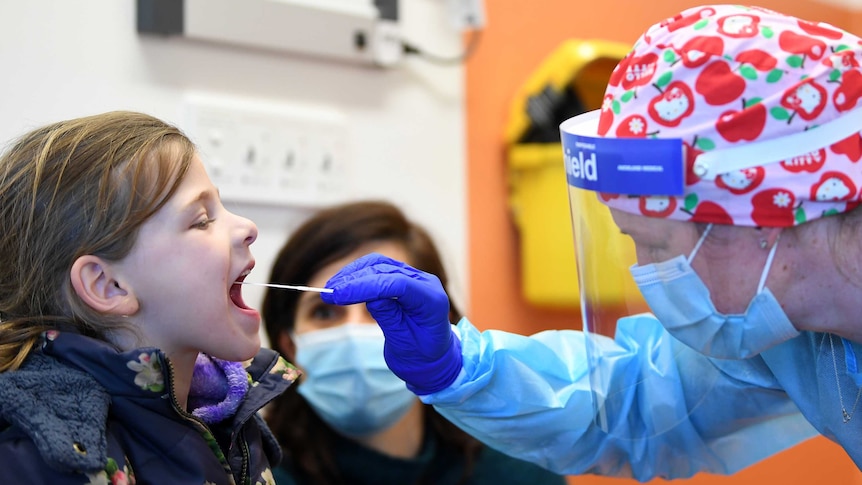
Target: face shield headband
656, 166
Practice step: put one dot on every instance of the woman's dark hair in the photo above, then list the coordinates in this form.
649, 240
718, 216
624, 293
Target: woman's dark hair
328, 236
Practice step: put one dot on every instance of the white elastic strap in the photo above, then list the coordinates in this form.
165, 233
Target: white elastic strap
699, 242
765, 272
711, 164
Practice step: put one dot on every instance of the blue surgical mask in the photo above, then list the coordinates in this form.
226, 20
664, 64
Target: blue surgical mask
346, 380
680, 300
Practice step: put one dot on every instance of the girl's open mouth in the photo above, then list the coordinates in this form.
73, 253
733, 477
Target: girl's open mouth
235, 291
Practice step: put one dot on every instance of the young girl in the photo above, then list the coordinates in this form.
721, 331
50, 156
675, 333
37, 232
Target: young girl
351, 420
127, 354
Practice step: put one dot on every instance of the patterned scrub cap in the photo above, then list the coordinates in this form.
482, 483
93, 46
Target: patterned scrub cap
724, 76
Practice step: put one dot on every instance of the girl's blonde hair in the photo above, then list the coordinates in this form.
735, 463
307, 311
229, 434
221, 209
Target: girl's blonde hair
68, 189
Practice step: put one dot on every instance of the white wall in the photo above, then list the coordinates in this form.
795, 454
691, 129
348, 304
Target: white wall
61, 59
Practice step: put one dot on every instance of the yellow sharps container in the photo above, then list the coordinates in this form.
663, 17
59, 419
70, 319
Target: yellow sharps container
570, 81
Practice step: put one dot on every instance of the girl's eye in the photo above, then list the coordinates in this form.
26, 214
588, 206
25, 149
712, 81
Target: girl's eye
203, 224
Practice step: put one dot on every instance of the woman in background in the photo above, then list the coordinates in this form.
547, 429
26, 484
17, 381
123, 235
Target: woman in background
351, 420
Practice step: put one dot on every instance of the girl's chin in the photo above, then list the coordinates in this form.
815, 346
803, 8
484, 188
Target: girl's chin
248, 320
246, 343
248, 351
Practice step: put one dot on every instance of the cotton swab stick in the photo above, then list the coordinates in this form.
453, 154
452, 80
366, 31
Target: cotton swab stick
288, 287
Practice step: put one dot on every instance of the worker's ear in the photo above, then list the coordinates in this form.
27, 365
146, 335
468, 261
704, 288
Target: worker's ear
95, 283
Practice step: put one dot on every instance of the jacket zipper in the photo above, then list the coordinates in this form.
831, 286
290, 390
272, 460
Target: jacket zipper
194, 419
246, 459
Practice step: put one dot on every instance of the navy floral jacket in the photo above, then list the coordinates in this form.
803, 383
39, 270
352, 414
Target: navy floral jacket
80, 412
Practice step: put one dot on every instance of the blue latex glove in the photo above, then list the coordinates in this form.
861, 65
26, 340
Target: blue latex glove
412, 308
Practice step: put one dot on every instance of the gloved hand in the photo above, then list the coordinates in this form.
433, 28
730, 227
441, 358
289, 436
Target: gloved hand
412, 308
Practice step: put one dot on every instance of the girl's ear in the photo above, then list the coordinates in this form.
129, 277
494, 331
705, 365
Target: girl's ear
95, 284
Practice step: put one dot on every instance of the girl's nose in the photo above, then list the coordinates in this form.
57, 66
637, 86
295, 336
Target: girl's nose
247, 230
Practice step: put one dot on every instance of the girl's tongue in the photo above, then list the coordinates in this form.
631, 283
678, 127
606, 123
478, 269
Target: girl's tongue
236, 296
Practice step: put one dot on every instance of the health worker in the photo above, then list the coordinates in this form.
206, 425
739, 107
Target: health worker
722, 178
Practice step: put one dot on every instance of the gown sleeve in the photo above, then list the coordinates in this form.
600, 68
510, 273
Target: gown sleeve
532, 398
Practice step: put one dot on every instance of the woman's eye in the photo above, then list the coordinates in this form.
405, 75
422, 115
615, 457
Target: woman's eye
324, 312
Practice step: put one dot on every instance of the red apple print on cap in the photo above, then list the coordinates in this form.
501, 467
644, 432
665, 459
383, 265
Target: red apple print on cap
606, 119
802, 45
739, 26
671, 106
691, 154
737, 76
657, 205
741, 181
773, 207
635, 126
807, 99
851, 147
708, 211
746, 124
639, 71
679, 21
819, 29
718, 84
848, 93
833, 186
809, 162
698, 50
842, 60
619, 70
760, 59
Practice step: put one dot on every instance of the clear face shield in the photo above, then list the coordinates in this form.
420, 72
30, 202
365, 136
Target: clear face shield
608, 167
668, 382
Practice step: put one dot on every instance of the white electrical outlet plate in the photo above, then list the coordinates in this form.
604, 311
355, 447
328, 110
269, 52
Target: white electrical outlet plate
267, 153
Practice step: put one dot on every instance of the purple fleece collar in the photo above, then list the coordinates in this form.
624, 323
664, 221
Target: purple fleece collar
218, 388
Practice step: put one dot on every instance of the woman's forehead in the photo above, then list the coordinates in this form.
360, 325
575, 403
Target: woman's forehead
391, 249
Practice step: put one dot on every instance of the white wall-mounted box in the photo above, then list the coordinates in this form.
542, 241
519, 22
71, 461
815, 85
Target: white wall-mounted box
363, 31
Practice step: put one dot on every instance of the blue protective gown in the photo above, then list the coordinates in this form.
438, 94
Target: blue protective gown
531, 397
